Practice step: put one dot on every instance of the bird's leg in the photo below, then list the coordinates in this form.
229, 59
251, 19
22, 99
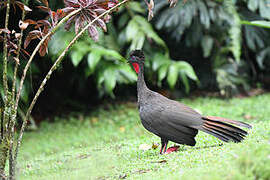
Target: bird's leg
164, 143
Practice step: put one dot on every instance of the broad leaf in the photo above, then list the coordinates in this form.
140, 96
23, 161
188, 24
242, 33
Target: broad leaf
187, 68
93, 59
207, 45
253, 5
76, 57
185, 81
112, 54
159, 60
162, 72
172, 75
110, 80
264, 24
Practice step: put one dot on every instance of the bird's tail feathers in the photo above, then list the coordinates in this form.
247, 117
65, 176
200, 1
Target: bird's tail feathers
222, 128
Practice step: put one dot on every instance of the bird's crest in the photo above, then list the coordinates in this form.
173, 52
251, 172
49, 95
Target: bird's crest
136, 58
138, 54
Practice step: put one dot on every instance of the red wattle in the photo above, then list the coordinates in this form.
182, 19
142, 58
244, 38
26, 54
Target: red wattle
136, 67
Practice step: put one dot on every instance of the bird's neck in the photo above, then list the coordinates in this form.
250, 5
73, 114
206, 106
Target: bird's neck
141, 86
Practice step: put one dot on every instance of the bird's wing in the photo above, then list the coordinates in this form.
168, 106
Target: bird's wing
170, 119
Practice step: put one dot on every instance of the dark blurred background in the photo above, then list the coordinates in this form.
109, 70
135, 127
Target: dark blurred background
196, 48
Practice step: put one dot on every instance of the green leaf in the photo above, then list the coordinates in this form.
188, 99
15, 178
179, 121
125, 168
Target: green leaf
204, 16
127, 73
110, 80
132, 30
162, 72
172, 75
123, 20
100, 79
264, 24
109, 53
146, 27
261, 57
78, 51
159, 60
187, 69
207, 45
264, 9
253, 5
76, 57
136, 7
93, 59
185, 81
138, 41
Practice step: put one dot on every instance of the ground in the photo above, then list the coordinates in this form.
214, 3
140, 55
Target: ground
105, 145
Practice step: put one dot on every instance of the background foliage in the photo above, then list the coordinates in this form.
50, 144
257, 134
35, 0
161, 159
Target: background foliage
197, 44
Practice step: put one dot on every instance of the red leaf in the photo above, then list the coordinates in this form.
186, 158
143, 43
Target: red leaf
44, 23
54, 17
31, 36
45, 2
25, 52
23, 6
93, 33
72, 3
60, 13
69, 23
67, 10
5, 31
100, 10
102, 24
44, 48
45, 9
30, 21
77, 25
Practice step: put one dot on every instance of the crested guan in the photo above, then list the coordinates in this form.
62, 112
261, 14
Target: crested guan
173, 121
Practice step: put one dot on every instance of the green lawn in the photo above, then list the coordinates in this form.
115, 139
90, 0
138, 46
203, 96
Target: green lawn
105, 145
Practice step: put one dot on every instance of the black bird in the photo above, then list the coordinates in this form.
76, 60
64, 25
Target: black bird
173, 121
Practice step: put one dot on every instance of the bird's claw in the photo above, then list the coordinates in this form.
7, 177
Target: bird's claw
172, 149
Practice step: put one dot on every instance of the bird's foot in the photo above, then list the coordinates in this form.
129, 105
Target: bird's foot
172, 149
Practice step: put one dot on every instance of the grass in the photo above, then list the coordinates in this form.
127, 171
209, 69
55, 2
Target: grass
105, 145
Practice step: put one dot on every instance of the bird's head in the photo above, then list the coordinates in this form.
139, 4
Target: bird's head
136, 59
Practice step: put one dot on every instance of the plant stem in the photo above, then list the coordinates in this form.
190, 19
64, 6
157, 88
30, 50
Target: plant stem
5, 81
53, 68
13, 112
5, 84
4, 119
